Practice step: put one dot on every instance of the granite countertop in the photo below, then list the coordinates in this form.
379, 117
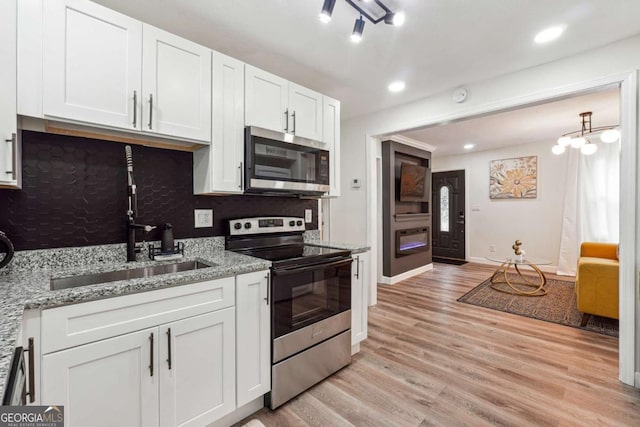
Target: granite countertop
26, 284
354, 248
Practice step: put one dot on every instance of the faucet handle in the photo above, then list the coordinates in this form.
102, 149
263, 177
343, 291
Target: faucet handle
148, 228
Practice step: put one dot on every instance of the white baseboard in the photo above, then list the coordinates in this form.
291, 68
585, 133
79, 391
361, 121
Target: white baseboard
407, 274
545, 268
637, 382
355, 349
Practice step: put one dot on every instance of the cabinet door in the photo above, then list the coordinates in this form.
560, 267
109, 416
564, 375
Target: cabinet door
331, 137
92, 64
108, 378
176, 84
359, 297
197, 369
305, 112
8, 120
218, 168
266, 100
253, 328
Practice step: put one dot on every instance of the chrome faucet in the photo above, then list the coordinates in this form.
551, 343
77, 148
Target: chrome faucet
132, 211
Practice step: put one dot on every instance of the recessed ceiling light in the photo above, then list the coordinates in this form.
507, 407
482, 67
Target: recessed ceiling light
468, 146
549, 34
397, 86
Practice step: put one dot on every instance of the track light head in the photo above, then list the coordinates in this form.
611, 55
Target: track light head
358, 29
327, 10
396, 19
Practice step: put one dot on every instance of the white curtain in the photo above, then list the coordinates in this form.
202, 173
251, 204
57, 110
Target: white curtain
592, 203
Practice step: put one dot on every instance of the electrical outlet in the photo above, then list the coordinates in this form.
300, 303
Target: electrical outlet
492, 248
203, 218
308, 215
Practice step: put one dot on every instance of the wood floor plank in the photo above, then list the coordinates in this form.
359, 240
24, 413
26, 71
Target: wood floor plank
430, 360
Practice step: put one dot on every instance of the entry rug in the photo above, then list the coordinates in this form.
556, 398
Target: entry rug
558, 306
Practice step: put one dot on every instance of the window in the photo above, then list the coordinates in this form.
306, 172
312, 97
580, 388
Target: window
444, 208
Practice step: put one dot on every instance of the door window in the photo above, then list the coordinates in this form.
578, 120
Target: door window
444, 208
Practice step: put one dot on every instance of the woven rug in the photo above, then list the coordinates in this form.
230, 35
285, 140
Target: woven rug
558, 306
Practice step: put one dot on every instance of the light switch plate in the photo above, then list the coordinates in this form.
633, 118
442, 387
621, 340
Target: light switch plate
308, 215
203, 218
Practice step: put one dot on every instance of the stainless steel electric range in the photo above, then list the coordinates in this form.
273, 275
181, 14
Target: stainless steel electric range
310, 297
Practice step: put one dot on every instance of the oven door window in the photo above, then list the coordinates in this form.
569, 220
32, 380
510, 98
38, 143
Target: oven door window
305, 297
279, 161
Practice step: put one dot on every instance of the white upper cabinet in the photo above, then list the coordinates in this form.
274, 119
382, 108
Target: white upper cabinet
219, 167
305, 112
9, 156
103, 68
92, 64
176, 86
274, 103
266, 100
331, 137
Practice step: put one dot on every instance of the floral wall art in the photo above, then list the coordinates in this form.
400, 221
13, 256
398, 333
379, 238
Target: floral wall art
514, 178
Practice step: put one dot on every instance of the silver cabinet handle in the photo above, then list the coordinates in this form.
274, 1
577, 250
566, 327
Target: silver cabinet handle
286, 120
358, 267
268, 298
11, 160
293, 116
241, 186
150, 110
135, 109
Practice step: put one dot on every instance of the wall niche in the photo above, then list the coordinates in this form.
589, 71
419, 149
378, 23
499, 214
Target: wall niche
406, 210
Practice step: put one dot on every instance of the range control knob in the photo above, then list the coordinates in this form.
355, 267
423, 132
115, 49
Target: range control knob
247, 225
237, 226
298, 223
292, 223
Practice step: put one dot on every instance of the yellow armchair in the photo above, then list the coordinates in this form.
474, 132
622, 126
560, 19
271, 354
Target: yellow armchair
597, 280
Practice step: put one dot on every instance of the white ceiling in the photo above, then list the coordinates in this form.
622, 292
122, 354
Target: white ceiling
544, 122
444, 43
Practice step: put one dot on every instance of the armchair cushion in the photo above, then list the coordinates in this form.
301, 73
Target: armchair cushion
597, 279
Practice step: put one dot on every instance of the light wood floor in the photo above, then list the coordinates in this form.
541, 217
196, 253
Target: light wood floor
430, 360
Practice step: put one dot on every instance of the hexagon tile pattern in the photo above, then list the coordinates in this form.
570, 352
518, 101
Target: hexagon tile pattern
75, 194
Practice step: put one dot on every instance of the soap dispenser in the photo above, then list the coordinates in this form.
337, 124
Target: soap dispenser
167, 245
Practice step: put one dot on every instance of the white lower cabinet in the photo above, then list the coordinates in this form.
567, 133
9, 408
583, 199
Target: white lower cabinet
359, 297
253, 332
105, 383
166, 362
197, 369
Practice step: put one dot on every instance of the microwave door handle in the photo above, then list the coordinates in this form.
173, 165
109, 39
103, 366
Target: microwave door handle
296, 270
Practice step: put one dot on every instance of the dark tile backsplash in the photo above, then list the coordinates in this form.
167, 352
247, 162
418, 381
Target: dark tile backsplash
75, 194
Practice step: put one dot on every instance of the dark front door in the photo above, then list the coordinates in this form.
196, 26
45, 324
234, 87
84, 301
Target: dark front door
448, 215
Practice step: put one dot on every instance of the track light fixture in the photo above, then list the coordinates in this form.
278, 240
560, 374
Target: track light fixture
327, 10
374, 10
358, 28
579, 139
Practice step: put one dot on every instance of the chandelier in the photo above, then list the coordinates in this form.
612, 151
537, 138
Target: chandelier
580, 139
374, 10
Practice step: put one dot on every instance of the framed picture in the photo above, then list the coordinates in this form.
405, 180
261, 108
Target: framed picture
515, 178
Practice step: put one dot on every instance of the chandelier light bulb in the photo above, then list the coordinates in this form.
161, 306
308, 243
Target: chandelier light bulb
588, 149
609, 136
558, 149
578, 142
564, 141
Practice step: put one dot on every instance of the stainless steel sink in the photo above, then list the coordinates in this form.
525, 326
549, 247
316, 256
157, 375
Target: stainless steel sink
133, 273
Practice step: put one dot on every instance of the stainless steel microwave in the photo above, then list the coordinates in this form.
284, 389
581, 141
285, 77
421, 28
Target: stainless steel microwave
281, 163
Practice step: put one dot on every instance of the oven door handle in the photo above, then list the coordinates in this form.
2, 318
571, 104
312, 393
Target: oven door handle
294, 270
